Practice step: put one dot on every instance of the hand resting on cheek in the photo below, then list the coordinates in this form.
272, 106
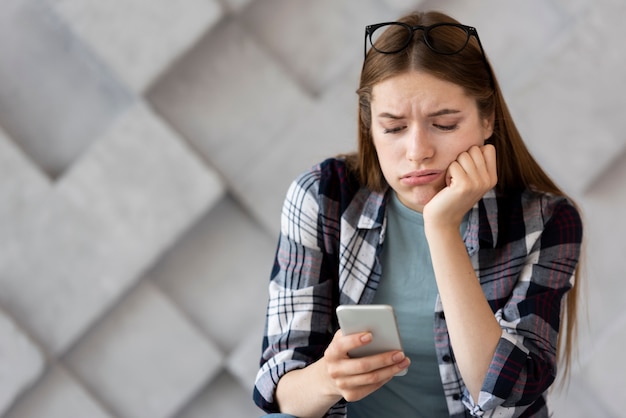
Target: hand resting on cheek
468, 178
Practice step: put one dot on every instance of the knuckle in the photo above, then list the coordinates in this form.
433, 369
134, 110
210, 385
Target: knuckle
371, 378
333, 373
330, 353
342, 386
363, 367
351, 396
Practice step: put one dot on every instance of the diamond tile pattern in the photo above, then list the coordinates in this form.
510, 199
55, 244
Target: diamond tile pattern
22, 361
58, 395
56, 94
141, 38
145, 150
150, 346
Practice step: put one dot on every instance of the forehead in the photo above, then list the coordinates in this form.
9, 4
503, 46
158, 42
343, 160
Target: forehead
419, 89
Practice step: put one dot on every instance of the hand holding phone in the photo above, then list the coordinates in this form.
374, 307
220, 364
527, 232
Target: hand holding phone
379, 320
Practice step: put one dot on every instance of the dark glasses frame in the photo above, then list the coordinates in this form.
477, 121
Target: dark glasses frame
469, 30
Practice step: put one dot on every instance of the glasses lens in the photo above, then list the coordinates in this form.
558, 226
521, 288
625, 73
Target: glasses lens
397, 37
446, 39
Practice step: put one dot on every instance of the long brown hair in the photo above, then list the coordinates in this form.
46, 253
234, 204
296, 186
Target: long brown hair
516, 168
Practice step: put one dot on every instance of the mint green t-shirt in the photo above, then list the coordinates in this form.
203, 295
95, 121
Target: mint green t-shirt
408, 284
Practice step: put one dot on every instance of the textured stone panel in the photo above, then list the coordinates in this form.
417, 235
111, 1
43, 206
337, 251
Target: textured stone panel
317, 41
243, 362
141, 180
261, 108
69, 252
578, 7
55, 96
403, 6
20, 181
577, 400
21, 361
140, 39
323, 129
218, 273
57, 395
601, 371
223, 398
230, 115
236, 6
149, 346
522, 34
602, 208
58, 269
571, 107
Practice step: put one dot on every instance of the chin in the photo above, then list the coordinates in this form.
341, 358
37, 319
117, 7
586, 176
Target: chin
418, 199
413, 202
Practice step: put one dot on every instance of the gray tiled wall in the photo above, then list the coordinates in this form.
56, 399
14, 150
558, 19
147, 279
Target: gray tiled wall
146, 146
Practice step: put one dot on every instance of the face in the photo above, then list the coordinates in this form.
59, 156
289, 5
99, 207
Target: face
420, 124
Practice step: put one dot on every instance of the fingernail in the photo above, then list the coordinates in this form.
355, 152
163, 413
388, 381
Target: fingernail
366, 338
398, 356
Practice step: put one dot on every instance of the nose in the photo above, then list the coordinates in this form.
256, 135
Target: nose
419, 146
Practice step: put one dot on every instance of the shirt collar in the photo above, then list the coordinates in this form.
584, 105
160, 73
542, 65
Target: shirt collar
373, 214
482, 224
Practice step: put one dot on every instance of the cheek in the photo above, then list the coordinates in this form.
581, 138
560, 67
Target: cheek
462, 144
387, 159
388, 155
388, 147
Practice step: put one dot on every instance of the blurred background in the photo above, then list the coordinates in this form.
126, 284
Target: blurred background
146, 147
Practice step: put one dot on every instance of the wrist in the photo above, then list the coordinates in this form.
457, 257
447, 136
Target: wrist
307, 392
327, 387
434, 229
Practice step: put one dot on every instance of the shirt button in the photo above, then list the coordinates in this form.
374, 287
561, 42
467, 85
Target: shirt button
446, 358
456, 396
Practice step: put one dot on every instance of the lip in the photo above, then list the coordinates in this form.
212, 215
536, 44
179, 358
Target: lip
420, 177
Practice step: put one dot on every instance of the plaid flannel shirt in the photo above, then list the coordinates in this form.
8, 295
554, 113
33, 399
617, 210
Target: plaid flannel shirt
524, 248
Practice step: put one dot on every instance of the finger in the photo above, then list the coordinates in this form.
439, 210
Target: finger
461, 171
478, 168
454, 173
341, 363
489, 154
478, 160
372, 370
378, 362
470, 160
342, 344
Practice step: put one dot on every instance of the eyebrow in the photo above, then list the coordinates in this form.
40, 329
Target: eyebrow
441, 112
387, 115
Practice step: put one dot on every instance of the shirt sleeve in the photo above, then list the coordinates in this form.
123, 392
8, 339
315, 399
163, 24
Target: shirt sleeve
300, 301
524, 364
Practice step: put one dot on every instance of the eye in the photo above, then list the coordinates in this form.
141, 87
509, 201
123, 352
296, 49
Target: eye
394, 130
446, 128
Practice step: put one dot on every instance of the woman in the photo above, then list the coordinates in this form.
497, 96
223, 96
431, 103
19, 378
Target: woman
443, 214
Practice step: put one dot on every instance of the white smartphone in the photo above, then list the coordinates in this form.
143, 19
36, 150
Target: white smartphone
380, 320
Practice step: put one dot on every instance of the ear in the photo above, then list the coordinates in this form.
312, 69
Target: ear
488, 126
